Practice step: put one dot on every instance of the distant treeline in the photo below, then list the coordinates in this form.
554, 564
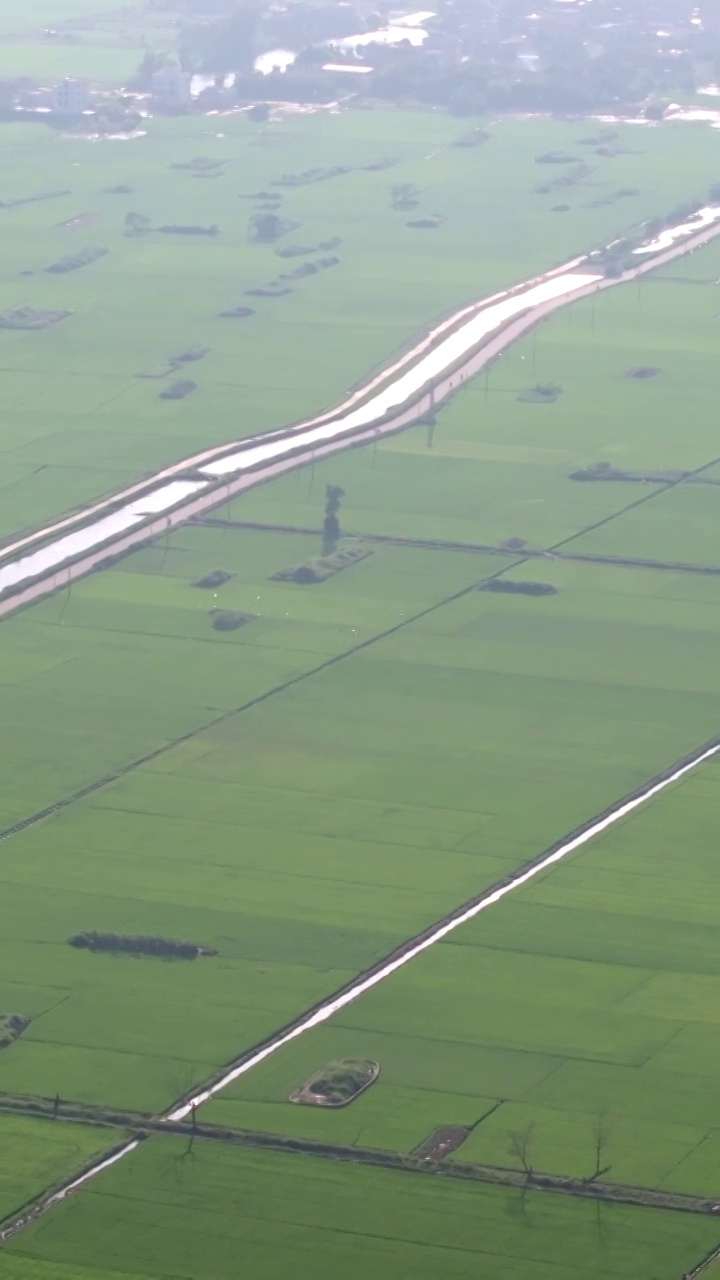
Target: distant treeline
140, 946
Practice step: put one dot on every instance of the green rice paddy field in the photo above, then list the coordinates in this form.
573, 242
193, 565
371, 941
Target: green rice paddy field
591, 993
76, 417
307, 791
36, 1155
193, 1217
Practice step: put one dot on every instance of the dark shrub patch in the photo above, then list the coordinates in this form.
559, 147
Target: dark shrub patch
543, 393
214, 579
228, 620
140, 946
177, 390
507, 587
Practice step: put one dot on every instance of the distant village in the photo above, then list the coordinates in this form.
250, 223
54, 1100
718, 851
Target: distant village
566, 56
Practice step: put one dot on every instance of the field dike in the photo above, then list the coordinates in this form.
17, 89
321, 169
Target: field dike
175, 1119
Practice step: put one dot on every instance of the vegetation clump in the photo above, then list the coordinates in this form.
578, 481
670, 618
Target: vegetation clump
606, 471
542, 393
474, 138
506, 586
178, 390
192, 229
167, 948
555, 157
320, 568
200, 164
273, 289
30, 318
187, 357
42, 195
338, 1083
311, 175
266, 227
74, 261
12, 1025
229, 620
216, 578
300, 250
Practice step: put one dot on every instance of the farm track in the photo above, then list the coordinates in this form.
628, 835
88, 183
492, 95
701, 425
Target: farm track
477, 359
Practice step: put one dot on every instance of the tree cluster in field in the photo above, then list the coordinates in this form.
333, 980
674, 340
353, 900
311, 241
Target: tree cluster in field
300, 250
606, 471
229, 619
264, 228
216, 578
507, 586
541, 393
279, 286
42, 195
320, 568
137, 224
74, 261
12, 1025
179, 389
30, 318
140, 946
202, 166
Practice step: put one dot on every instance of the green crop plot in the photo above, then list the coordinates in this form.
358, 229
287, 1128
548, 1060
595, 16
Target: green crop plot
38, 1153
581, 1012
194, 1215
77, 419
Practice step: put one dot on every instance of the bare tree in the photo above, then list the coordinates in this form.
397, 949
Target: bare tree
602, 1132
519, 1147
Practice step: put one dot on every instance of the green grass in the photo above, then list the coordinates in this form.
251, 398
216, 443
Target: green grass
75, 419
161, 1213
38, 1153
